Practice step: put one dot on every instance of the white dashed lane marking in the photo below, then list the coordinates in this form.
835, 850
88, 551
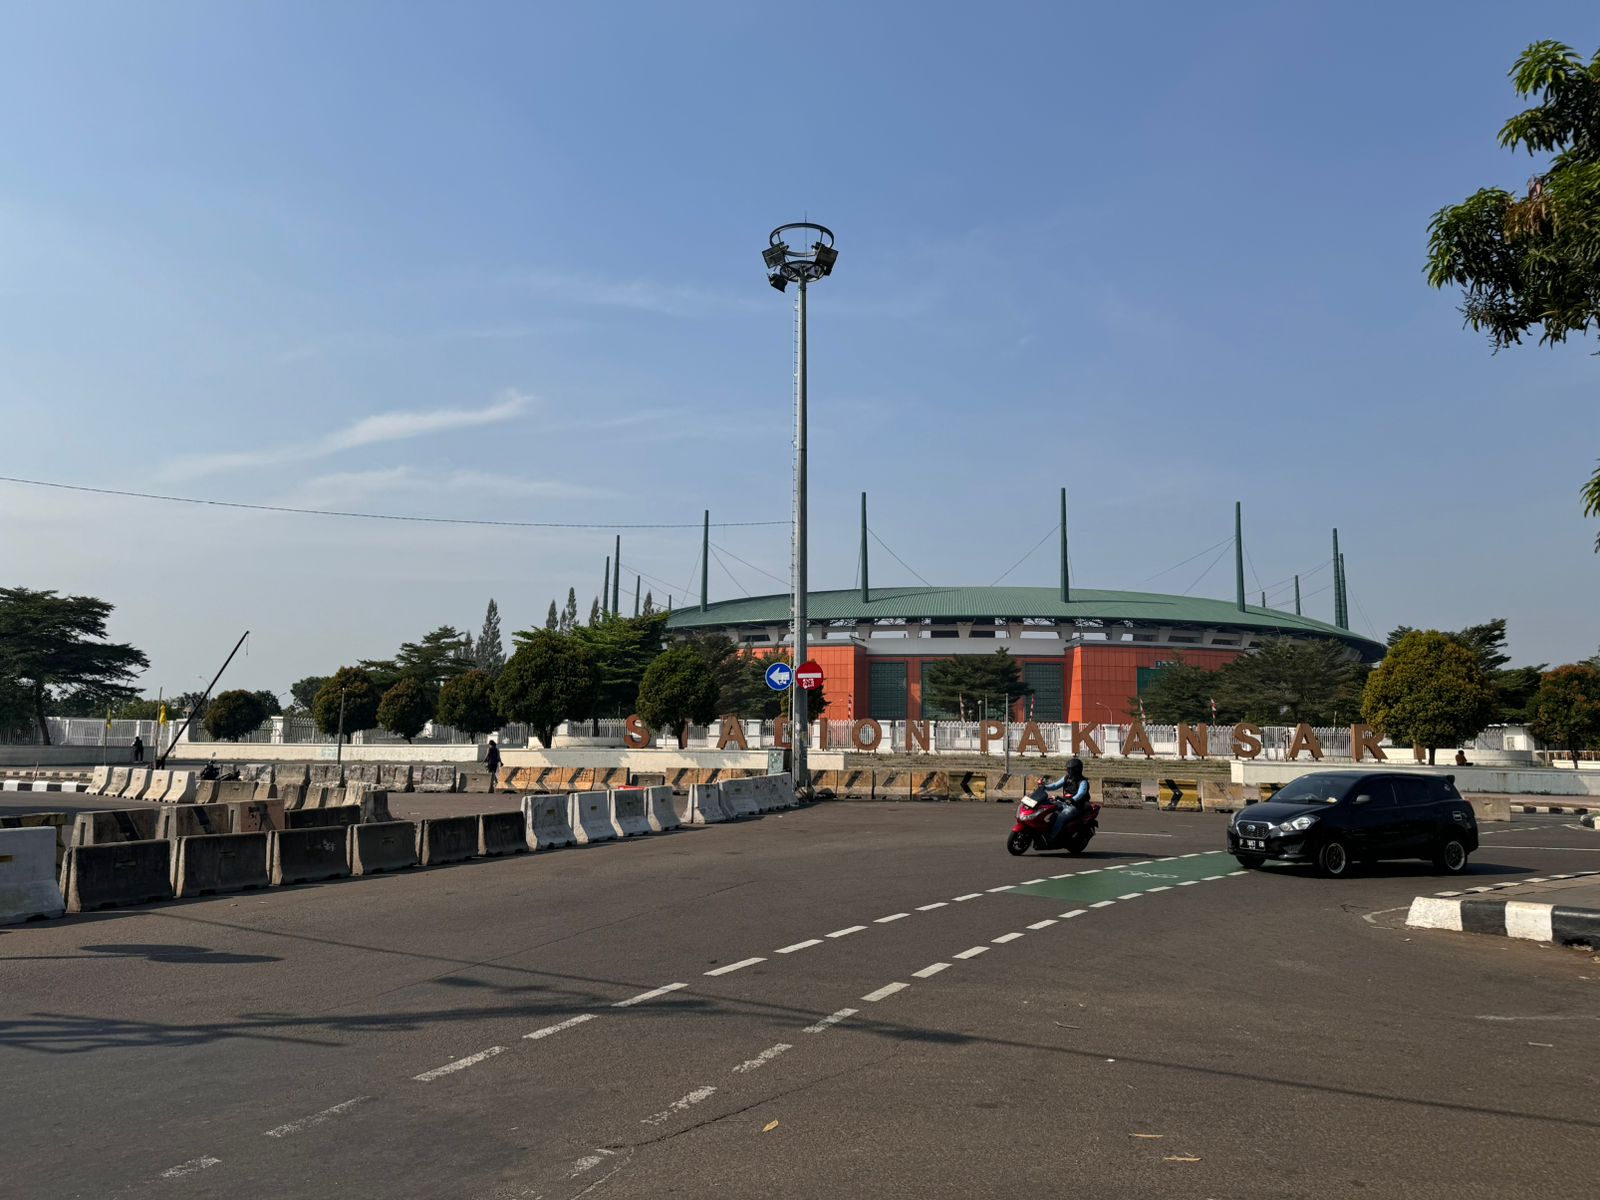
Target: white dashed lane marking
762, 1059
1102, 904
974, 952
969, 896
677, 1106
650, 995
930, 971
885, 992
1004, 887
931, 907
314, 1119
189, 1168
1006, 937
890, 917
1130, 896
799, 946
738, 966
460, 1064
1077, 912
569, 1023
846, 931
1044, 924
830, 1020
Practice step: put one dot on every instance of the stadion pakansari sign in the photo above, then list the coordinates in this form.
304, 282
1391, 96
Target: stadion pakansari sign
867, 735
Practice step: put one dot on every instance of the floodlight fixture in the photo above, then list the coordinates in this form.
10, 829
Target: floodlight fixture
773, 255
777, 281
825, 257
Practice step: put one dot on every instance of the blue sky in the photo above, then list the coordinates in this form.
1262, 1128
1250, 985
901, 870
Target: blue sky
502, 261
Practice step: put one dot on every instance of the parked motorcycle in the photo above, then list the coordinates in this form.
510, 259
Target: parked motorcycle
1036, 816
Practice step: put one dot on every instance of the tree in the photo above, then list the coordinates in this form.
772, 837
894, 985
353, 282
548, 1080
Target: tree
442, 654
467, 703
143, 709
406, 707
569, 614
1429, 690
1285, 681
621, 648
594, 612
490, 653
741, 678
649, 604
1514, 686
553, 621
234, 714
972, 684
1534, 260
361, 697
1181, 693
1566, 711
550, 679
52, 645
678, 689
269, 703
305, 690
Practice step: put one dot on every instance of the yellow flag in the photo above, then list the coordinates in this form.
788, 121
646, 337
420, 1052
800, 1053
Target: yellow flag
162, 718
108, 718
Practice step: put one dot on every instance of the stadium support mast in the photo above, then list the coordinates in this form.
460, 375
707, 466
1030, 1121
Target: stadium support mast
866, 591
1066, 580
1238, 554
705, 561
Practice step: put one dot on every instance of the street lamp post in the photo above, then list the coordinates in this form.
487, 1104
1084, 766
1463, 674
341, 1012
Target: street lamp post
800, 265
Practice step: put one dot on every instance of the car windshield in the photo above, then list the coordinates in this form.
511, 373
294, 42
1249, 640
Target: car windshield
1312, 789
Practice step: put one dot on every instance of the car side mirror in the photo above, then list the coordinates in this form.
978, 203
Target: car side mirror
1363, 799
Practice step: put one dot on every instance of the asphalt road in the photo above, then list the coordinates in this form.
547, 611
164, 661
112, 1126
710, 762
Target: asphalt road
716, 1013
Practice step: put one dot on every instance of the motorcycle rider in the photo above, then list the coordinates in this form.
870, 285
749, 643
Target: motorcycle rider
1074, 789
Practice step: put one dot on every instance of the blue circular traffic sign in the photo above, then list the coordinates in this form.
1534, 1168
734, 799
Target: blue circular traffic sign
779, 676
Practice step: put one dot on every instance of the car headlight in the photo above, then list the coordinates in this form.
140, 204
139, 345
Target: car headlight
1299, 824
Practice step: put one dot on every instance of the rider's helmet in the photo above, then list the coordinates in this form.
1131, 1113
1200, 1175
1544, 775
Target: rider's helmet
1075, 767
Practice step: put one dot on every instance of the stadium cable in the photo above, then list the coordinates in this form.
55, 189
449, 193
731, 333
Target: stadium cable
1371, 628
1227, 541
1253, 572
1028, 555
649, 578
729, 573
1284, 584
368, 516
895, 556
784, 582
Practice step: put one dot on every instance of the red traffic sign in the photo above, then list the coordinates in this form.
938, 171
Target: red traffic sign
809, 676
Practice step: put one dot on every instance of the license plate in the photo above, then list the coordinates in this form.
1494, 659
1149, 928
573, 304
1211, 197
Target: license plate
1253, 843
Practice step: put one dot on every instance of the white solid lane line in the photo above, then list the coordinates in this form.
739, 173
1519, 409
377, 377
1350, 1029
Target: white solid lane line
762, 1059
315, 1118
738, 966
650, 995
189, 1168
830, 1020
569, 1023
970, 896
677, 1106
890, 917
930, 971
1044, 924
931, 907
1102, 904
974, 952
1006, 937
461, 1064
799, 946
1077, 912
886, 991
846, 931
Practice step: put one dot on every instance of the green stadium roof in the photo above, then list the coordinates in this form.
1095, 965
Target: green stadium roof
1016, 604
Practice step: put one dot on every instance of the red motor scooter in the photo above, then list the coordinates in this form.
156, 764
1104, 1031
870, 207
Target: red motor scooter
1036, 815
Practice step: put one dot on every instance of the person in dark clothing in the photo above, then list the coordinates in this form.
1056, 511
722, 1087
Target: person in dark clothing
210, 771
138, 748
492, 761
1074, 789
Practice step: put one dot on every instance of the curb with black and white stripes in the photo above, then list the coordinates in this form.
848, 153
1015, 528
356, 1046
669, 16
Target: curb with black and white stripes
1551, 809
41, 785
1473, 911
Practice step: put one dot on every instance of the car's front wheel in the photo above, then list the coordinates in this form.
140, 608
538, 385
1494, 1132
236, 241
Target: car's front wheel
1333, 859
1451, 856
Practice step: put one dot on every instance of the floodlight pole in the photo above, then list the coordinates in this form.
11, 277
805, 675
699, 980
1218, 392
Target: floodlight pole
800, 723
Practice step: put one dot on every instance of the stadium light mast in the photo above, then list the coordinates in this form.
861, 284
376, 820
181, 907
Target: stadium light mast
802, 265
1238, 554
1066, 580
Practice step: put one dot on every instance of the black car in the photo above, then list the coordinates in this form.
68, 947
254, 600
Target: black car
1335, 819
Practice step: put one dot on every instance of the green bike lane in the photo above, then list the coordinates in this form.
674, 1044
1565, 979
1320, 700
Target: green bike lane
1101, 887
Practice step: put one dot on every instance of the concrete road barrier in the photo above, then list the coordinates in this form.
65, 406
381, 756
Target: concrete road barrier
591, 817
738, 798
28, 887
117, 874
549, 821
117, 781
434, 779
658, 809
775, 791
447, 840
704, 806
293, 774
254, 816
1491, 808
138, 783
181, 787
222, 862
204, 791
341, 816
325, 775
98, 778
60, 822
394, 777
117, 825
502, 833
307, 855
231, 791
627, 812
192, 820
384, 846
155, 787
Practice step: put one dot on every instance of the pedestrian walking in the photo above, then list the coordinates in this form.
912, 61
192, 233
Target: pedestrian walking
138, 748
492, 761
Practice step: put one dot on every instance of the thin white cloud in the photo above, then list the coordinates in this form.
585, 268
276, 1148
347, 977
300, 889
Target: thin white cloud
644, 295
368, 431
344, 489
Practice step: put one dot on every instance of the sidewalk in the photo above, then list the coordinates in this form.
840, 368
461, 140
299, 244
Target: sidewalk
1564, 909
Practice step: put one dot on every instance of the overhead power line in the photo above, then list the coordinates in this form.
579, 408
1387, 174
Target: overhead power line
368, 516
